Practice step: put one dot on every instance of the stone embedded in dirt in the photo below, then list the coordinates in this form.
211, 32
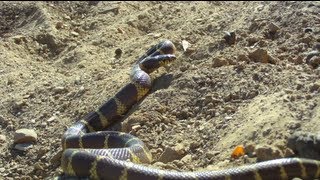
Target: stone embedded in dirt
74, 33
23, 146
118, 53
252, 40
59, 89
25, 136
243, 57
230, 37
273, 28
218, 62
212, 154
187, 158
261, 55
185, 45
169, 154
19, 39
52, 118
267, 152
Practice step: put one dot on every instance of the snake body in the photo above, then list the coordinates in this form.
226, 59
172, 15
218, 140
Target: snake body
96, 154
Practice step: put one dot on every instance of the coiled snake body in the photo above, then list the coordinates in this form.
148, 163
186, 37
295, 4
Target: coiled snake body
96, 154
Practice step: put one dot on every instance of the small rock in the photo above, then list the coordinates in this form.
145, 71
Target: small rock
118, 53
25, 136
66, 17
74, 33
180, 149
185, 45
168, 155
273, 28
187, 158
136, 127
267, 152
212, 154
52, 118
218, 62
59, 25
38, 166
59, 89
261, 55
243, 57
252, 40
19, 39
288, 152
23, 146
230, 37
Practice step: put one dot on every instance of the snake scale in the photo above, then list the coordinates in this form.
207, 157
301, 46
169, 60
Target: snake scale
96, 154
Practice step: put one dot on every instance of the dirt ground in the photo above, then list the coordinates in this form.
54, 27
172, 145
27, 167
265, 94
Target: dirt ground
246, 74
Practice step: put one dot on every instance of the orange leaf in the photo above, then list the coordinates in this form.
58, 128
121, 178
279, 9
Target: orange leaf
238, 152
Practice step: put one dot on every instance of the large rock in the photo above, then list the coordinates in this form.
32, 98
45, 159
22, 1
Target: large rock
25, 136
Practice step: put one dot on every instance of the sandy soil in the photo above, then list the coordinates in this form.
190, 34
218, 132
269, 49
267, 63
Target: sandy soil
57, 62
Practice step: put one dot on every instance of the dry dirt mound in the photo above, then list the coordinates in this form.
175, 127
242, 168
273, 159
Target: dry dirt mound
249, 76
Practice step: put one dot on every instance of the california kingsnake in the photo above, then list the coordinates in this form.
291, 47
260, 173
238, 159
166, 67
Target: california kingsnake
91, 152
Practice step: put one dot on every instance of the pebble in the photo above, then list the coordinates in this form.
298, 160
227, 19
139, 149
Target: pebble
218, 62
187, 158
230, 37
59, 89
261, 55
118, 53
273, 28
212, 154
169, 154
52, 118
74, 33
25, 136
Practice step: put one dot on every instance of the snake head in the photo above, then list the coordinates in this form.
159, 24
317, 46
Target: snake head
149, 64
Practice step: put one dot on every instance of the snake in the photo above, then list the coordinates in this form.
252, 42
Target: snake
92, 152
